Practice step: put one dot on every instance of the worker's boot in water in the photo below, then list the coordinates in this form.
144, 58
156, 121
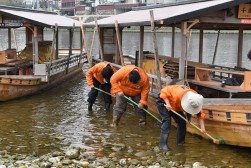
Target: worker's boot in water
115, 121
142, 118
107, 107
163, 142
90, 106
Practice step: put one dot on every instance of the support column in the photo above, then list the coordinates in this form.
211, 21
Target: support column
141, 47
240, 47
201, 45
183, 50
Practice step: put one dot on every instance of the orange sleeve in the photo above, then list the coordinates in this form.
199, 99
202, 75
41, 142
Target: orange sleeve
145, 92
115, 81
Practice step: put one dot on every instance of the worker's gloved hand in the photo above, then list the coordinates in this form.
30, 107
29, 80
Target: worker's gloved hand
168, 107
203, 130
120, 93
140, 106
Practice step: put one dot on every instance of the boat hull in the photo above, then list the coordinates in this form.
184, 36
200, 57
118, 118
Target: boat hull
13, 87
227, 119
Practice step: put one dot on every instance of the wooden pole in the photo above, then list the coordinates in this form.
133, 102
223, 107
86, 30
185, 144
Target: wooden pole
201, 45
99, 39
216, 47
173, 41
240, 47
93, 37
183, 50
52, 47
119, 42
15, 39
156, 56
70, 47
85, 41
141, 47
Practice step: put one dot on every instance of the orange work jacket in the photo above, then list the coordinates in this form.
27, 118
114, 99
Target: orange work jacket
95, 72
174, 94
120, 82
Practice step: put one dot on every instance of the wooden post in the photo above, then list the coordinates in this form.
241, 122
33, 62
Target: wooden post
35, 47
9, 38
173, 40
15, 39
85, 41
201, 45
141, 47
183, 50
99, 39
57, 46
70, 47
156, 56
216, 47
119, 42
240, 46
93, 37
52, 47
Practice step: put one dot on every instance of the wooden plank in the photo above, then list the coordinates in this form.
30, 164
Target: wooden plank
156, 56
119, 42
220, 70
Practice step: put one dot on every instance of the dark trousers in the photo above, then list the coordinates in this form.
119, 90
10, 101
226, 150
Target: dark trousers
166, 121
92, 95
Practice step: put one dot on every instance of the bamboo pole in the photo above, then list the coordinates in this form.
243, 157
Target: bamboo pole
156, 56
85, 43
119, 43
100, 44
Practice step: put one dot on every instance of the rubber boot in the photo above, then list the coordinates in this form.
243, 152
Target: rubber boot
181, 133
163, 142
90, 106
115, 121
142, 118
107, 107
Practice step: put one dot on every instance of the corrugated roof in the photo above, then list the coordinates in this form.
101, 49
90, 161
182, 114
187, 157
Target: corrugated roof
47, 19
169, 14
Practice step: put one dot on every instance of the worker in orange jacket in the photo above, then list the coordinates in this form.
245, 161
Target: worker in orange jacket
99, 76
133, 82
184, 101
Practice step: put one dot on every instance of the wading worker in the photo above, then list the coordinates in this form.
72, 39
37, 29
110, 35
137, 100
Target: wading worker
130, 81
99, 76
186, 102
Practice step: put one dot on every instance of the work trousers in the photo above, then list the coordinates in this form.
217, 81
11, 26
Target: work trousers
166, 116
121, 105
92, 95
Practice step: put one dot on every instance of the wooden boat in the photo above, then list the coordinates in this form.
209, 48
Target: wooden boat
41, 64
227, 108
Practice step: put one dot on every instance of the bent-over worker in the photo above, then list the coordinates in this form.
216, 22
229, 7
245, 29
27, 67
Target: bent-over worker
130, 81
99, 76
184, 101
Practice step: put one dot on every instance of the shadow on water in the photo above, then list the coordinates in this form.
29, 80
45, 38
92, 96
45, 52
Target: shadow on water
59, 118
